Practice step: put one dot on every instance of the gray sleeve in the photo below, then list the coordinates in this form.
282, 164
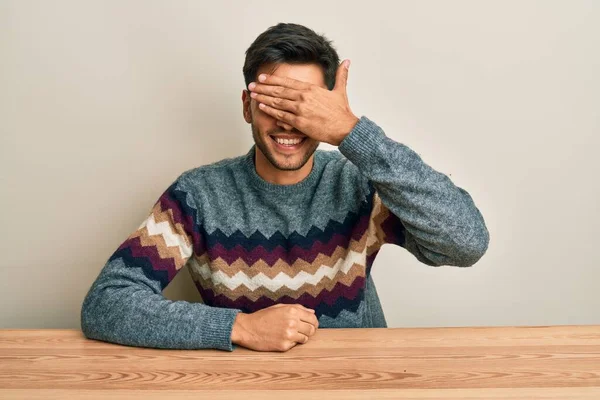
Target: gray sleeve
125, 304
418, 207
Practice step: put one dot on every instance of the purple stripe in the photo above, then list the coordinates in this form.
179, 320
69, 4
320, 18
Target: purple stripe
151, 253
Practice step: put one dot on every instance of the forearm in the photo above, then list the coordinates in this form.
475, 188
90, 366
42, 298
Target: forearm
124, 306
440, 218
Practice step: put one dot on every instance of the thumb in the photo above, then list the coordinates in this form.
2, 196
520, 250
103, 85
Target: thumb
341, 76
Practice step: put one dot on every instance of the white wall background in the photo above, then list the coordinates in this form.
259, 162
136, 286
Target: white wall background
103, 104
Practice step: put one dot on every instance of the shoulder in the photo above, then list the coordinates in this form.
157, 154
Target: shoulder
215, 171
343, 171
333, 159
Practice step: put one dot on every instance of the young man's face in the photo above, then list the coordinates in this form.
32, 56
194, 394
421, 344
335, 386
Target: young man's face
265, 127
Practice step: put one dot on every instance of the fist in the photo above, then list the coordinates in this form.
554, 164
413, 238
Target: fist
276, 328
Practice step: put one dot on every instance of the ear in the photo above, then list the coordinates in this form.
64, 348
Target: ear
246, 101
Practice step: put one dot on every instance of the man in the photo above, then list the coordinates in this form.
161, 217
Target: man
280, 241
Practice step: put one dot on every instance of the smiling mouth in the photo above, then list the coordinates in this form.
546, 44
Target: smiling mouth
288, 147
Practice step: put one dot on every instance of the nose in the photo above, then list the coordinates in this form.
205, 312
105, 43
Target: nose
285, 126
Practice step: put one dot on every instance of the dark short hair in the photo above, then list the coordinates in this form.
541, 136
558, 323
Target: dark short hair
292, 44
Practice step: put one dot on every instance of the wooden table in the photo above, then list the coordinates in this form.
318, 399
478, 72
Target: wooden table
560, 362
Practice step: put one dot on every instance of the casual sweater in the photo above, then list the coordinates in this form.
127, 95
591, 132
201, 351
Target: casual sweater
249, 243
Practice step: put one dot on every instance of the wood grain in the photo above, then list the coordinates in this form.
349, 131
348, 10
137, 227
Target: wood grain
550, 362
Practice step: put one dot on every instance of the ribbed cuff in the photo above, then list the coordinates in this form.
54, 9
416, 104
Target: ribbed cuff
216, 333
363, 142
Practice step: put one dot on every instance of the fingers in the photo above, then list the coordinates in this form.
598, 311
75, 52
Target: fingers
300, 306
275, 102
287, 117
309, 318
306, 329
308, 315
341, 77
300, 338
274, 91
283, 81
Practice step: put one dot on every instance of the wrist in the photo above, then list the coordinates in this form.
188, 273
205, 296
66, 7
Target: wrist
353, 120
236, 330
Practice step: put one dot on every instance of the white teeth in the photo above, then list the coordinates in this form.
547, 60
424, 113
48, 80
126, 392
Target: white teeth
288, 141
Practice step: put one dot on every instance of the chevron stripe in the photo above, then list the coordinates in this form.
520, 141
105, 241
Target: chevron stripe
171, 238
326, 303
326, 283
282, 279
162, 244
280, 265
135, 255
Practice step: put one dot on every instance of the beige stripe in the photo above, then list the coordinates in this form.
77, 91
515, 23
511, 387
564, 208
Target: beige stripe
158, 241
160, 216
325, 284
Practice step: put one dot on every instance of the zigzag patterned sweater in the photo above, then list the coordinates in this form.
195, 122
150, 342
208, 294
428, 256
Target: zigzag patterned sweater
249, 243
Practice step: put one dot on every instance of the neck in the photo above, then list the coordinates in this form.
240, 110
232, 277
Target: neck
271, 174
